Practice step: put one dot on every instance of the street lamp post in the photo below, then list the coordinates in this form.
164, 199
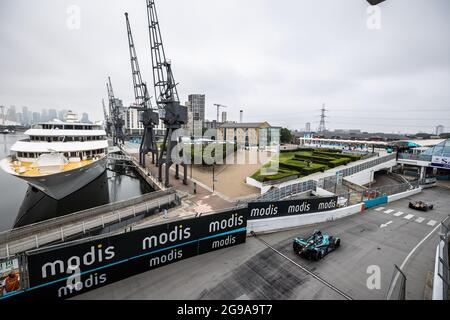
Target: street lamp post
214, 179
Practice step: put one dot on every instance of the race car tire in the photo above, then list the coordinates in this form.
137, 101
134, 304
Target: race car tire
296, 247
337, 244
317, 256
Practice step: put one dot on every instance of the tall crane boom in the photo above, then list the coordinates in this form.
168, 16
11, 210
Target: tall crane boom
116, 119
172, 113
147, 116
107, 119
140, 88
163, 79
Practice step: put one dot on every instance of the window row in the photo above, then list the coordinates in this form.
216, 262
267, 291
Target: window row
76, 154
67, 127
66, 139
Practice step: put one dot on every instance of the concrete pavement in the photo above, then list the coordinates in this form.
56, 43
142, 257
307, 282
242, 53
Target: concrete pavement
254, 271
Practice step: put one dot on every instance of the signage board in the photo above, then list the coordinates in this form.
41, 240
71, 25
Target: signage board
62, 272
275, 209
440, 162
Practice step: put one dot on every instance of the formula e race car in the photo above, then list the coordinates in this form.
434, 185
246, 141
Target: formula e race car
420, 205
316, 246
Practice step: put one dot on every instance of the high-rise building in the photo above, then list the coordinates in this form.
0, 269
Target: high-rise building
189, 126
308, 127
52, 114
36, 118
224, 116
44, 115
85, 118
62, 114
439, 130
197, 102
11, 115
133, 125
25, 119
19, 118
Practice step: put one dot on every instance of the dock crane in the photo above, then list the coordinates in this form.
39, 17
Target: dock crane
218, 110
108, 123
172, 113
148, 116
116, 119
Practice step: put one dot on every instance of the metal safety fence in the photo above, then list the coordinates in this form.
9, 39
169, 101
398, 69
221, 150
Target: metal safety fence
82, 223
443, 268
286, 191
397, 285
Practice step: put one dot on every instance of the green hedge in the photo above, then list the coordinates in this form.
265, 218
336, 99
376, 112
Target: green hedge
305, 161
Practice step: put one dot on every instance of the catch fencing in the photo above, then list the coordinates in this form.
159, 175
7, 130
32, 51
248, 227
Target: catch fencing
397, 285
443, 272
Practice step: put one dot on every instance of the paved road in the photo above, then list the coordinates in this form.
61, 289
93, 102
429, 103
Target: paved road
254, 271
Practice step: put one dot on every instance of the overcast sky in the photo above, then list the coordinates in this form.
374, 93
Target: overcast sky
277, 60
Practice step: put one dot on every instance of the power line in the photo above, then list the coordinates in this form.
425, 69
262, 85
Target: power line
322, 127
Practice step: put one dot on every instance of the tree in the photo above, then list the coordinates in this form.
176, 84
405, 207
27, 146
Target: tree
285, 135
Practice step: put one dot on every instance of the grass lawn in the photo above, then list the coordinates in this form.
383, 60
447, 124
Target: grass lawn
303, 162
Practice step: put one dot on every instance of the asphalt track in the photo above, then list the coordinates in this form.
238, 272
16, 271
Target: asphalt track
257, 271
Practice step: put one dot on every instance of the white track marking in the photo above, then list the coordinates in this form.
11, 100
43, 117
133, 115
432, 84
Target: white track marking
386, 224
431, 223
407, 258
398, 214
379, 209
420, 220
409, 217
389, 211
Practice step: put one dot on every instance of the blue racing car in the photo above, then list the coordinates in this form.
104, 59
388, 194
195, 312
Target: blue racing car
316, 246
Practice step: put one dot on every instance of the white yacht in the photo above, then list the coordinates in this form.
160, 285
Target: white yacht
59, 157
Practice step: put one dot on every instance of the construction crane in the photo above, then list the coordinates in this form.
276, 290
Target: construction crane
172, 113
107, 119
148, 117
116, 119
218, 110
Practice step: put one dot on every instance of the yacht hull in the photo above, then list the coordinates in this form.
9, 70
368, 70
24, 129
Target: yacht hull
60, 185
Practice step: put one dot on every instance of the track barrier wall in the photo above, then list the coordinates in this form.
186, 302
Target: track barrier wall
270, 225
62, 272
375, 202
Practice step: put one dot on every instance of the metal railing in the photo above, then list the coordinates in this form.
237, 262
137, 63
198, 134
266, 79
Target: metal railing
419, 157
397, 290
81, 223
443, 268
286, 191
115, 156
329, 183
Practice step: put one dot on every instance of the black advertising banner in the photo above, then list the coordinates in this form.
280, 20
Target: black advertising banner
65, 271
80, 283
265, 210
224, 241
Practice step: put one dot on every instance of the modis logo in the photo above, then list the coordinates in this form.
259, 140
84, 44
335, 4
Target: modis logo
177, 234
234, 221
96, 254
328, 205
272, 210
76, 284
304, 207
